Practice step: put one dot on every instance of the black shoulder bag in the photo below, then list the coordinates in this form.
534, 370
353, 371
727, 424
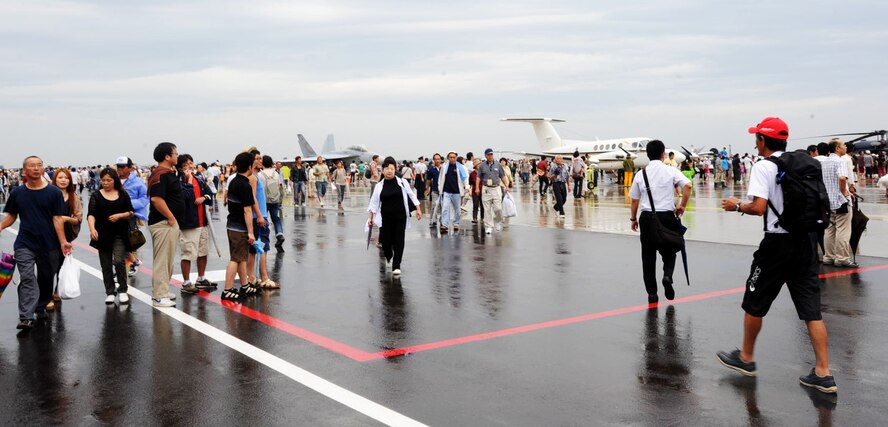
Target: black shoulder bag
666, 241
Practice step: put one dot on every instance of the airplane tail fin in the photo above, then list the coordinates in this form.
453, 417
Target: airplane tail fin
547, 136
307, 151
329, 145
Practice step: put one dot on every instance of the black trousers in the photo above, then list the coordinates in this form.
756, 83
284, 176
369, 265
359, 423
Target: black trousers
559, 190
477, 206
116, 259
391, 235
544, 184
578, 187
649, 251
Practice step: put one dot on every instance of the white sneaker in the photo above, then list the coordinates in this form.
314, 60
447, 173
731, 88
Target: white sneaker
163, 302
322, 204
396, 272
109, 299
499, 227
489, 230
171, 296
388, 263
124, 298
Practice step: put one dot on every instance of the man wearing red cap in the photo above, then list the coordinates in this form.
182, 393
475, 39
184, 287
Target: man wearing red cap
782, 257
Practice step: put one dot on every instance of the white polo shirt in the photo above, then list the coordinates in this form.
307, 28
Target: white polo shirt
663, 180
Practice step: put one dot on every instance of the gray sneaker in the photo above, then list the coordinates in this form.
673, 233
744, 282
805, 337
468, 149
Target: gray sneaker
733, 361
189, 288
205, 285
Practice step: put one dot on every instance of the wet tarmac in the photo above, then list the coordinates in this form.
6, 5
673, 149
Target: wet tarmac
542, 324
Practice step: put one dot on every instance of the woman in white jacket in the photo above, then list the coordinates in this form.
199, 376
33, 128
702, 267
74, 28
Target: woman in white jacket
390, 211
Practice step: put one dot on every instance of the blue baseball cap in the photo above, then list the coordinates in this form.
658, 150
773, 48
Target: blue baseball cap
488, 151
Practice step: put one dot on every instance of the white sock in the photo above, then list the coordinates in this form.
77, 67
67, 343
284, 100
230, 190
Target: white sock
199, 278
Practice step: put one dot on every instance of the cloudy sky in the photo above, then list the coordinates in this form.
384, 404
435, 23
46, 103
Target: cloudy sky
82, 82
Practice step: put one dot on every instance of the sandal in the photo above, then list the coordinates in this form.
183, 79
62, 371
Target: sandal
50, 306
269, 284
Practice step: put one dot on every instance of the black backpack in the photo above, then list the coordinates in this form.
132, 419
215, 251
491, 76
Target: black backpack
805, 201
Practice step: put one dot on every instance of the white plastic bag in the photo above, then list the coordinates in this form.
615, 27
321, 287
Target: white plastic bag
509, 210
69, 279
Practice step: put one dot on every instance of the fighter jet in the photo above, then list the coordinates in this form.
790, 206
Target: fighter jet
356, 153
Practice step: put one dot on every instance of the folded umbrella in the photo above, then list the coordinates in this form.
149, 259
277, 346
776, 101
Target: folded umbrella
858, 225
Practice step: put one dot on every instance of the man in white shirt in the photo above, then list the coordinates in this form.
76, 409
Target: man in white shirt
662, 180
781, 258
837, 242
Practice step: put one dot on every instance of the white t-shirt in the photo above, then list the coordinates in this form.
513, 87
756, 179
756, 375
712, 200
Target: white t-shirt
663, 180
763, 183
883, 182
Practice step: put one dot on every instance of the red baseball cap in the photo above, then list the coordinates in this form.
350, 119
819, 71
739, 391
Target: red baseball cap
773, 127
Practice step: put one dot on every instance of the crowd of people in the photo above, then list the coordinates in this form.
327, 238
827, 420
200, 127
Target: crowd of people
171, 199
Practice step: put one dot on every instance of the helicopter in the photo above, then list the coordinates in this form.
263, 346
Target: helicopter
861, 142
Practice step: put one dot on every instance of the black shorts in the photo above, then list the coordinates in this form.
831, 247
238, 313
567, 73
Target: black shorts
780, 259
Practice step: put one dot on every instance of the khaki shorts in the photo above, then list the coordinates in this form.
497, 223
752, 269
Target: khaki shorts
238, 245
195, 243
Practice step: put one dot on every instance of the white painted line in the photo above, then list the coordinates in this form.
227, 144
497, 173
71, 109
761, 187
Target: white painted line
211, 275
348, 398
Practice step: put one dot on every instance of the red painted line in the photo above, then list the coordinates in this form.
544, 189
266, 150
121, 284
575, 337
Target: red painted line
363, 356
319, 340
584, 318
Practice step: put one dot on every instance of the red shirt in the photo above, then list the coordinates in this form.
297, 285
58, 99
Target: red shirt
200, 209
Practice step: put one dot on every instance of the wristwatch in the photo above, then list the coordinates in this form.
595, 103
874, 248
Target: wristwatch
738, 207
633, 219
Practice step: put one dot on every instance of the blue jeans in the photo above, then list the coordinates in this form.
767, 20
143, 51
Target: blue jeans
321, 186
299, 192
274, 211
451, 202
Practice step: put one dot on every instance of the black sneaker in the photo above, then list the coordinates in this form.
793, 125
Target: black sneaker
230, 295
205, 285
443, 230
669, 291
653, 299
249, 290
825, 384
280, 241
25, 325
733, 361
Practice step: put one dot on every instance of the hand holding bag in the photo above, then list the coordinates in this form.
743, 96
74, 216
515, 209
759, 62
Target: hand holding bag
69, 279
509, 210
135, 236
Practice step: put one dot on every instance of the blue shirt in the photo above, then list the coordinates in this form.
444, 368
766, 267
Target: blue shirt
451, 184
35, 209
260, 197
138, 194
432, 176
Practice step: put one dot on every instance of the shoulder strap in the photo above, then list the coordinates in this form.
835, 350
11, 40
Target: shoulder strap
648, 186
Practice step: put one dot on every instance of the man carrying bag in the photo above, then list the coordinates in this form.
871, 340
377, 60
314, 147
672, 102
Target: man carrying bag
661, 230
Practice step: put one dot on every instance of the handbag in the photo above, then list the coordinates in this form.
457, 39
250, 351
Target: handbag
666, 241
135, 236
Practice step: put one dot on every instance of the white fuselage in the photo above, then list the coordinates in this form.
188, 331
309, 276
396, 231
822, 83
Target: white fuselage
606, 154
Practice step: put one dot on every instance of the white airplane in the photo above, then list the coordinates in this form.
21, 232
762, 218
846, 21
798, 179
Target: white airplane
607, 154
